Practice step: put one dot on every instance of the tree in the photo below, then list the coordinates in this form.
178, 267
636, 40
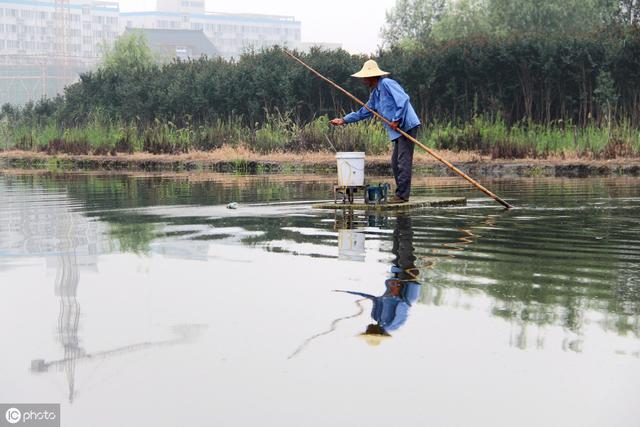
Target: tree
548, 16
130, 54
605, 94
412, 20
463, 18
124, 87
627, 12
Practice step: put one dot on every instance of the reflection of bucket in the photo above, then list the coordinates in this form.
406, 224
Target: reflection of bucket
350, 168
351, 245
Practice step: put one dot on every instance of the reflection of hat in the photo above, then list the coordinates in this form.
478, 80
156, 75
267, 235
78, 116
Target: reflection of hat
375, 334
370, 69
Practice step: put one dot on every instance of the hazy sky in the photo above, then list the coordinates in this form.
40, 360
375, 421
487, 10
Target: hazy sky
355, 24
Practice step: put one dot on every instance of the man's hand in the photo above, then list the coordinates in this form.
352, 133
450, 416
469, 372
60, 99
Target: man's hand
395, 125
338, 122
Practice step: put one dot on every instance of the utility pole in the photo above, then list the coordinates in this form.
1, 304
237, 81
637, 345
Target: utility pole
62, 24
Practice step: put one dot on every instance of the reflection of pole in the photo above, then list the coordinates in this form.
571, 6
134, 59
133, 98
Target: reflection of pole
69, 317
67, 227
332, 327
183, 334
66, 289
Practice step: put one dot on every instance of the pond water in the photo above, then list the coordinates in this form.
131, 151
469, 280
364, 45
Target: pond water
142, 300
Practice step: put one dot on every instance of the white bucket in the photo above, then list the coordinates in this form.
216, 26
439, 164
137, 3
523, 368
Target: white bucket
350, 168
351, 245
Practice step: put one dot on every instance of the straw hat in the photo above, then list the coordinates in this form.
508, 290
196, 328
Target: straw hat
370, 69
374, 335
374, 340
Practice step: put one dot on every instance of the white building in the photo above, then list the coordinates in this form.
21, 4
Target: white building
34, 27
43, 47
231, 34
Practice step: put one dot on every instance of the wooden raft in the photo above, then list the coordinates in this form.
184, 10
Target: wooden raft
417, 203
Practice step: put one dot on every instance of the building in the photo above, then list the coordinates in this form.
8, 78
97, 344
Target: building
180, 6
231, 34
44, 44
182, 44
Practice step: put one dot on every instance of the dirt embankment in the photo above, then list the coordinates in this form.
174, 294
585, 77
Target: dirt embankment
244, 161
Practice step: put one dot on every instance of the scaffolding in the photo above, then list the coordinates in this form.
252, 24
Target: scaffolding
62, 24
28, 77
32, 77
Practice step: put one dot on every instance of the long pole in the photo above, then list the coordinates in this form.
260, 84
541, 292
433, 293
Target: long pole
406, 135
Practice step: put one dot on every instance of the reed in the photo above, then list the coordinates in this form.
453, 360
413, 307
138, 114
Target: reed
283, 134
534, 140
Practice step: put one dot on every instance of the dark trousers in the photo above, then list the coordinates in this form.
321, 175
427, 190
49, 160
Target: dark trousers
403, 249
402, 162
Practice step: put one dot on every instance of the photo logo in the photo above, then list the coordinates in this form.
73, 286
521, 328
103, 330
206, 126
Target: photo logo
13, 415
30, 414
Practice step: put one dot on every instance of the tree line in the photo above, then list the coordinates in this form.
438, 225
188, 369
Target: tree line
576, 76
415, 21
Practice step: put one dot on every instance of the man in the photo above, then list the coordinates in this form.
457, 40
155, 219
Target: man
391, 101
390, 310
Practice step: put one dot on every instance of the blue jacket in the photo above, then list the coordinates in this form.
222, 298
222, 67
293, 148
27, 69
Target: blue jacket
391, 312
392, 103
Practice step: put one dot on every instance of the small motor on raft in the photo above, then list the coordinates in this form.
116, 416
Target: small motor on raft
375, 194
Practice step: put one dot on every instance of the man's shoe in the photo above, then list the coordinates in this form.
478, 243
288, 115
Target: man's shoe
395, 200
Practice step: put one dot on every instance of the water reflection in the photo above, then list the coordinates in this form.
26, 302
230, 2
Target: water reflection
568, 258
391, 309
558, 275
351, 240
66, 289
38, 223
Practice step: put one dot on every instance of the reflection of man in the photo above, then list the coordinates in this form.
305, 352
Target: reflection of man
391, 309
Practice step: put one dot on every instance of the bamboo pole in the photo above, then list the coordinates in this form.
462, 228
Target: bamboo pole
406, 135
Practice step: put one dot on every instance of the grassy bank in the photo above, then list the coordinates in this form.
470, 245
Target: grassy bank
281, 134
239, 160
